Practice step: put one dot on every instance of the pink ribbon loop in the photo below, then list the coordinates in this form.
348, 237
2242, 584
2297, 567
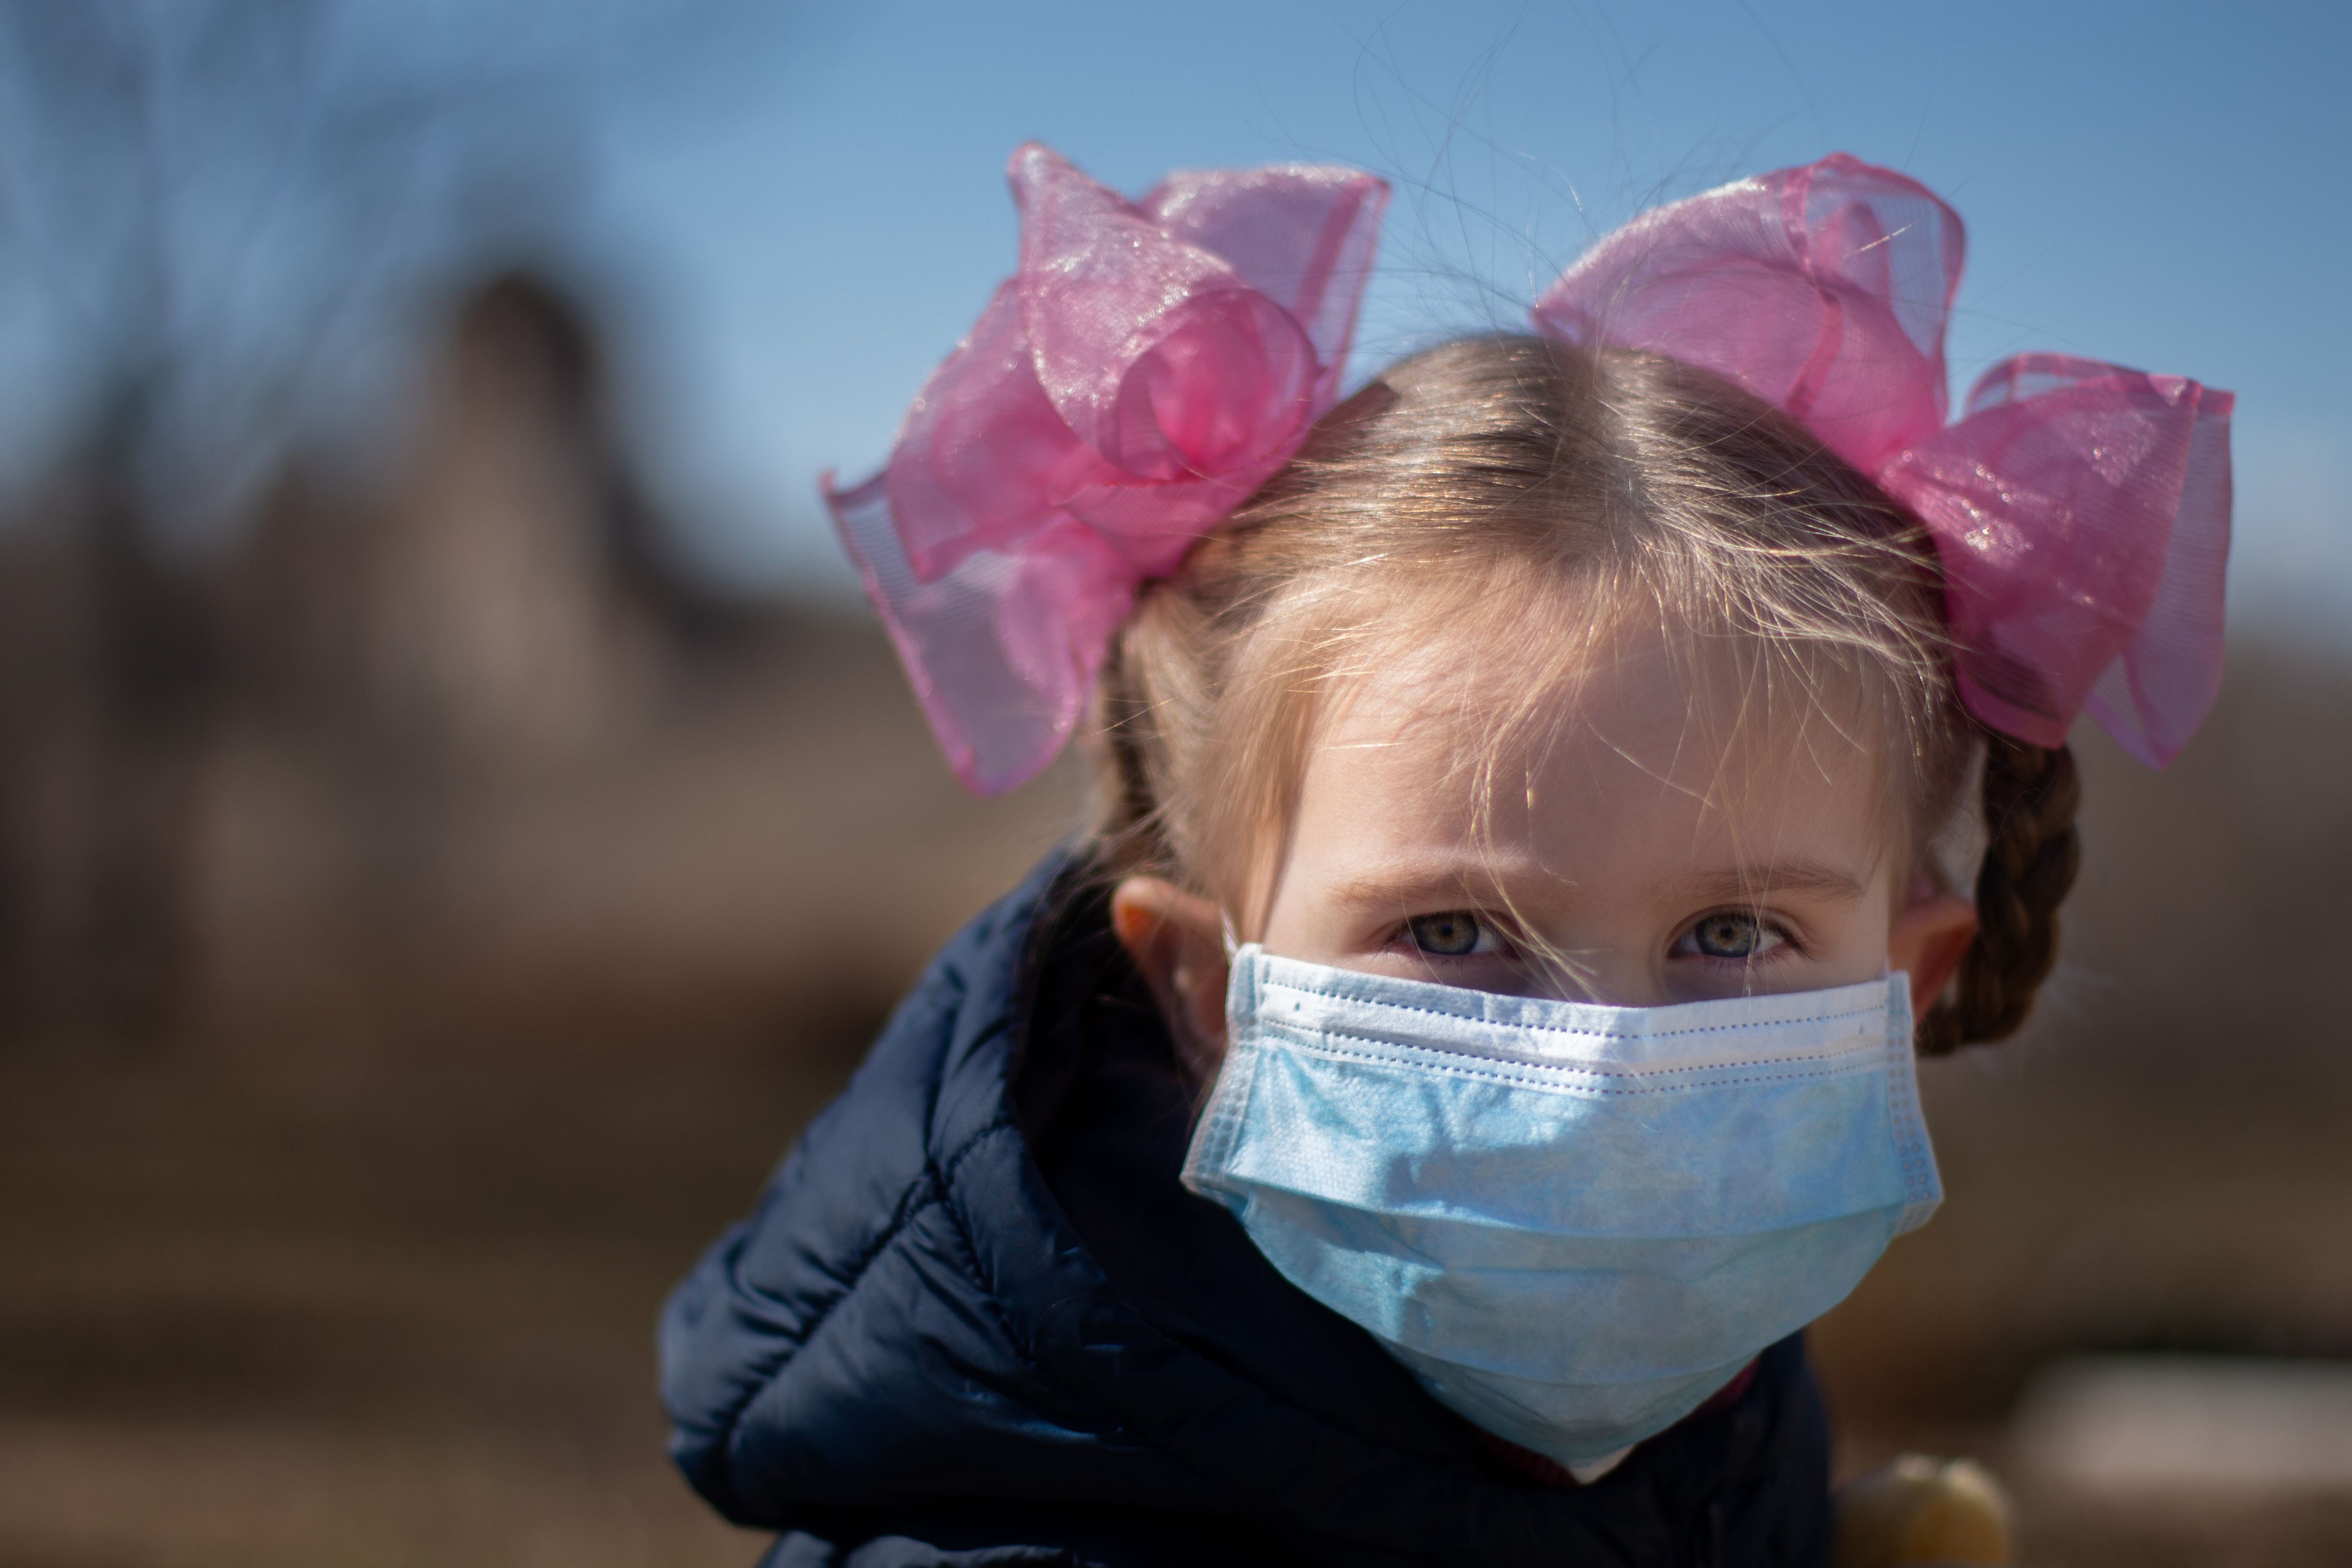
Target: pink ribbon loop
2080, 510
2082, 514
1150, 365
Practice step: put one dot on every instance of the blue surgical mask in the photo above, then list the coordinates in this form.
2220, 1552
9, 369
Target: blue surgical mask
1571, 1222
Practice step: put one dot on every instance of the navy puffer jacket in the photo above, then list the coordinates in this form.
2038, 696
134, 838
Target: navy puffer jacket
977, 1321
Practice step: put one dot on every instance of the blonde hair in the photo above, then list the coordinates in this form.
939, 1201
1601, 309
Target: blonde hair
1511, 480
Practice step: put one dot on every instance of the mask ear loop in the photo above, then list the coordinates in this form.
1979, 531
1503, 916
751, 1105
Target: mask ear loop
1232, 945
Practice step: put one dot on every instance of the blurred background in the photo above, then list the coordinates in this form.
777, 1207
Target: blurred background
457, 820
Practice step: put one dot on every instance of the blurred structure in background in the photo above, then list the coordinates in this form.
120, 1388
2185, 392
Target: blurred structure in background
352, 674
107, 682
466, 748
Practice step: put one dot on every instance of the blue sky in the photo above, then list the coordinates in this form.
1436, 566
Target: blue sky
800, 220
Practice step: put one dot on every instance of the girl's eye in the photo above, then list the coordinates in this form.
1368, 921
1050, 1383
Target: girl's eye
1731, 935
1456, 934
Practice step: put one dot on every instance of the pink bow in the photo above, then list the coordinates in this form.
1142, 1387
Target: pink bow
2081, 511
1150, 364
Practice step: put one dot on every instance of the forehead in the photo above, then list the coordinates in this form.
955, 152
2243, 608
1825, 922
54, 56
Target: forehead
1626, 756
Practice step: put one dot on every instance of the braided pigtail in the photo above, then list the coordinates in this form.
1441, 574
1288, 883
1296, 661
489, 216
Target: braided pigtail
2031, 793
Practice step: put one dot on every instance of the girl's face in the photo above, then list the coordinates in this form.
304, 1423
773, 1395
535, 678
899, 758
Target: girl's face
1640, 865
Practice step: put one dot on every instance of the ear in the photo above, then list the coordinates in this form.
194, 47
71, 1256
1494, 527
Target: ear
1926, 940
1177, 939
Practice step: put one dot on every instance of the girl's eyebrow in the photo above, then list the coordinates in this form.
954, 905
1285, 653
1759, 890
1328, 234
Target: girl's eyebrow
1799, 875
1420, 880
1424, 881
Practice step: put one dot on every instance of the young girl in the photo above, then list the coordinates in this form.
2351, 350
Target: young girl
1415, 1120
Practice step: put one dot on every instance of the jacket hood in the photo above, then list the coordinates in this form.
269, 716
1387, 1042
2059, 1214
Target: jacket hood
975, 1306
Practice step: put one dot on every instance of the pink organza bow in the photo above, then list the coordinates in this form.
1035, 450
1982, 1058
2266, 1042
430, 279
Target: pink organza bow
1152, 363
2081, 511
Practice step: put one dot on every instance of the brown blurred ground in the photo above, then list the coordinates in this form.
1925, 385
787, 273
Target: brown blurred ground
424, 924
